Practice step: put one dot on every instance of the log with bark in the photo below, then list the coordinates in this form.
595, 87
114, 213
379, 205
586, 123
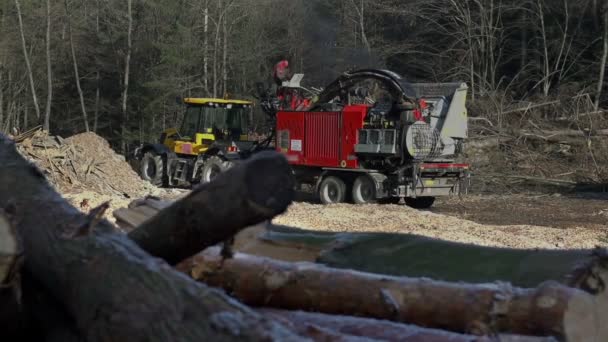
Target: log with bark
310, 323
111, 288
419, 256
12, 317
551, 309
249, 193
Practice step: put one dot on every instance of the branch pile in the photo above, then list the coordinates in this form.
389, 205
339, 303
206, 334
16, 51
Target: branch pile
81, 162
554, 144
83, 280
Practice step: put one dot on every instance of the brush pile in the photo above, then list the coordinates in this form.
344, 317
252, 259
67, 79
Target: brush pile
83, 162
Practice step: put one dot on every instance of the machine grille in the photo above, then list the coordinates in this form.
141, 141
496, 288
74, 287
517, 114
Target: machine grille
423, 141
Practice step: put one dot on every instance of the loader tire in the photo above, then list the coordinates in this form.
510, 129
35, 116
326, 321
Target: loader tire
152, 168
420, 202
213, 167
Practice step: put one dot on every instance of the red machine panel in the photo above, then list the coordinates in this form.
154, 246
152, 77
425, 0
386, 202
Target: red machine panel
352, 122
322, 139
290, 136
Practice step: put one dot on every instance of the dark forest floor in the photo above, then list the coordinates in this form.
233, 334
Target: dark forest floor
559, 211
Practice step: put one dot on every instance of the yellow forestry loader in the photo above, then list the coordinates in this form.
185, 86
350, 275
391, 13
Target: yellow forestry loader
212, 137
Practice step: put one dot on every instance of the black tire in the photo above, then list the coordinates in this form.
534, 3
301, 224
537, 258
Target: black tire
152, 168
420, 202
332, 190
364, 190
213, 167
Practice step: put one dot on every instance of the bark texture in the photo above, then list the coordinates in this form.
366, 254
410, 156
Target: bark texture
380, 329
111, 288
249, 193
12, 318
551, 309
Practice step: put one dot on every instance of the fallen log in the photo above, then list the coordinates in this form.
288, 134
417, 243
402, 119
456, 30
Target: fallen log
249, 193
551, 309
109, 286
381, 329
9, 249
11, 311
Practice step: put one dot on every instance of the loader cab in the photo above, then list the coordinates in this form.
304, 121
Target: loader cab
210, 124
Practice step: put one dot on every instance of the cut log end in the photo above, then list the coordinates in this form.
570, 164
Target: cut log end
9, 248
11, 311
271, 194
591, 277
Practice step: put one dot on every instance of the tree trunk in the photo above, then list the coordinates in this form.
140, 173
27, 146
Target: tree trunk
49, 97
524, 38
313, 323
97, 75
251, 192
2, 96
125, 89
75, 64
206, 46
112, 289
215, 48
361, 22
225, 57
595, 11
600, 83
27, 61
551, 309
97, 99
546, 80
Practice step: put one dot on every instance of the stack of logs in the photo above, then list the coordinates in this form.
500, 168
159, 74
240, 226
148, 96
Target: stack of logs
72, 277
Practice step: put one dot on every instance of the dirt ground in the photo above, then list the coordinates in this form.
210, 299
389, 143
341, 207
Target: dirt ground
558, 211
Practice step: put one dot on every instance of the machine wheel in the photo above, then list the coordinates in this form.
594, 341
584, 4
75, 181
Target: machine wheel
420, 202
152, 168
332, 190
213, 167
364, 190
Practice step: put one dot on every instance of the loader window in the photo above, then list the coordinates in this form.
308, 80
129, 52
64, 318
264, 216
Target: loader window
233, 119
190, 124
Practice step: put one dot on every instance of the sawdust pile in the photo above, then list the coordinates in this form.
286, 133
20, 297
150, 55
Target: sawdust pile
84, 162
403, 219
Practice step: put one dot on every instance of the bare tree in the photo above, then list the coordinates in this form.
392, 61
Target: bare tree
75, 64
206, 46
123, 126
27, 60
225, 57
49, 96
600, 83
360, 9
97, 73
